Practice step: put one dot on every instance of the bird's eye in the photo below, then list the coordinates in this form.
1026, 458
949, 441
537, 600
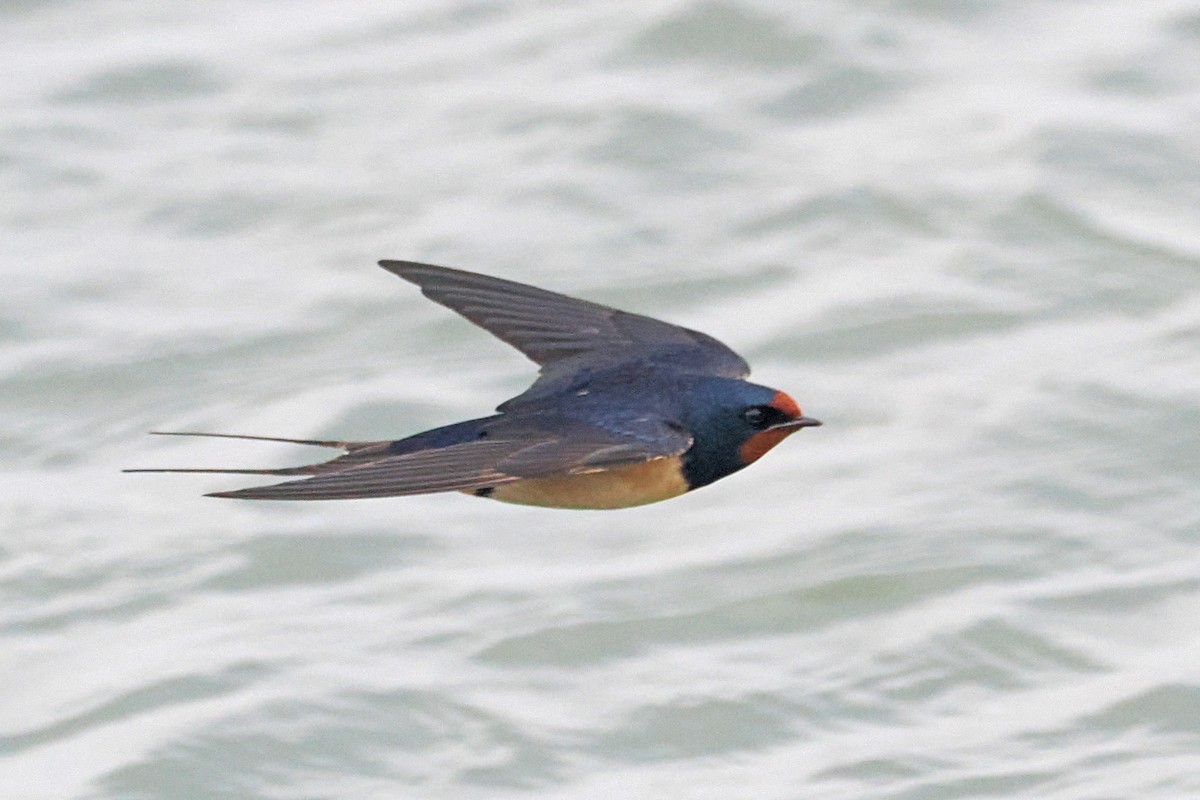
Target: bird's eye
755, 416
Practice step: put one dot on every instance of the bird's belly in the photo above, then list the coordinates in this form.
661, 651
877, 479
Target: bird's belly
634, 485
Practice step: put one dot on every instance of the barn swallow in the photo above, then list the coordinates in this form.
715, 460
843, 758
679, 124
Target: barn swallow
626, 410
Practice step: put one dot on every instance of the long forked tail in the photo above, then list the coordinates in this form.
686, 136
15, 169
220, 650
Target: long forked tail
308, 469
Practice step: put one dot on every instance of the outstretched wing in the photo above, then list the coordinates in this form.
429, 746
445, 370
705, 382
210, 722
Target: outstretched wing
473, 465
508, 453
549, 327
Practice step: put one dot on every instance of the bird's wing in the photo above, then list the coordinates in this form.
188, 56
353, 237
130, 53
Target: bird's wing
549, 327
498, 459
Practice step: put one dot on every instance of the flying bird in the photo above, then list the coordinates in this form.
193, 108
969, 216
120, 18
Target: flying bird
626, 410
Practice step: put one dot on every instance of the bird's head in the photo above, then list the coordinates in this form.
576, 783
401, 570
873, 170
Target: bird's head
733, 423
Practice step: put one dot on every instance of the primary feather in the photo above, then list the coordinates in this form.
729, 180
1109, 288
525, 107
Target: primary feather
549, 327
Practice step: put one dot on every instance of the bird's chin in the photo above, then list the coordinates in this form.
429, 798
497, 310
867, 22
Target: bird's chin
758, 444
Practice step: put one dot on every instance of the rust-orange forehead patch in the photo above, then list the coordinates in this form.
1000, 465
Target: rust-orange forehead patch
786, 404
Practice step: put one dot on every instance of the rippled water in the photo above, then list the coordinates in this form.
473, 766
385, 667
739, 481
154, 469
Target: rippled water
963, 234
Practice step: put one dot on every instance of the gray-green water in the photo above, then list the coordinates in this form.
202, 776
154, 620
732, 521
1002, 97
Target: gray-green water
963, 234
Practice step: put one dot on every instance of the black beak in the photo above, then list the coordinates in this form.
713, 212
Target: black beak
799, 422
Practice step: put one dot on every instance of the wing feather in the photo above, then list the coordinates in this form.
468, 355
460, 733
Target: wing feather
475, 464
457, 467
549, 327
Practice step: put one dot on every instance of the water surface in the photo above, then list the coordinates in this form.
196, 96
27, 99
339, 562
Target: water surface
962, 234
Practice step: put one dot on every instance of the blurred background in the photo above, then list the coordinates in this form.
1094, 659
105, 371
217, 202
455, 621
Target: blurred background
962, 234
